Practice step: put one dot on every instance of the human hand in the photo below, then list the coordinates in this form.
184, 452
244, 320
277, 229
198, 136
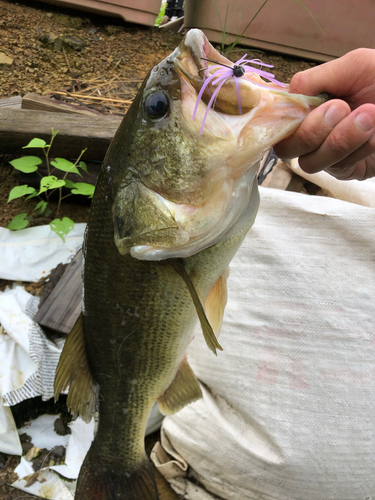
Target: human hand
339, 135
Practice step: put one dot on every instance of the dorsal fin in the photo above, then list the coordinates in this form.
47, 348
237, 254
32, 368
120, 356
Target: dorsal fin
183, 390
73, 370
209, 336
216, 302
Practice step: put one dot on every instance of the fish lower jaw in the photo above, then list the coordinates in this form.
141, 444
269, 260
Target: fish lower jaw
215, 227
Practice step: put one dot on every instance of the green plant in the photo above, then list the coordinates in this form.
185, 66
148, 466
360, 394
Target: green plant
48, 185
161, 14
240, 36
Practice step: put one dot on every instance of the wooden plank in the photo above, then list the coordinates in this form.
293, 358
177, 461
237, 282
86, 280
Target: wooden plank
76, 132
43, 103
11, 102
62, 307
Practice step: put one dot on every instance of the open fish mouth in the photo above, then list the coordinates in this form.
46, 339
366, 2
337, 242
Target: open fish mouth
225, 126
199, 60
249, 113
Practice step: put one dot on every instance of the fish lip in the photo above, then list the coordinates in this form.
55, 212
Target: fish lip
199, 48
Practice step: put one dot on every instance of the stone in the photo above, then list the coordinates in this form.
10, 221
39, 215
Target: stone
58, 452
26, 447
75, 43
68, 21
5, 60
60, 428
25, 438
51, 37
112, 30
32, 453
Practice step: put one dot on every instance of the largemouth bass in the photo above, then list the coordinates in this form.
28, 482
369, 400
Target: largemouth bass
171, 207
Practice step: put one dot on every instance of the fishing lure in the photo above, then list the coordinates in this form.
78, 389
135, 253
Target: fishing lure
224, 72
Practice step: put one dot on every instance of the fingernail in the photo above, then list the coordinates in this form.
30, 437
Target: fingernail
364, 121
334, 115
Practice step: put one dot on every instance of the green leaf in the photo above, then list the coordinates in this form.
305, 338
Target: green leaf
32, 195
62, 227
54, 133
36, 143
18, 222
19, 191
48, 213
41, 206
69, 184
83, 165
65, 165
50, 182
27, 164
84, 188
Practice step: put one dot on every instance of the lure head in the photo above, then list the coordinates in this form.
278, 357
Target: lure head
176, 191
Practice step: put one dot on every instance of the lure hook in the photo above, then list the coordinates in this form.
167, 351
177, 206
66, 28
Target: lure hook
238, 69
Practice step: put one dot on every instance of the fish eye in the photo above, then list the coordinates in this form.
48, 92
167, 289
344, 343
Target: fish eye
157, 105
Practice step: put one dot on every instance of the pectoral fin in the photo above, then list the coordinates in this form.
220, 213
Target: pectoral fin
183, 390
73, 370
208, 333
216, 302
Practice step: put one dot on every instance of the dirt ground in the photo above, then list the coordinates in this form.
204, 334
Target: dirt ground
54, 50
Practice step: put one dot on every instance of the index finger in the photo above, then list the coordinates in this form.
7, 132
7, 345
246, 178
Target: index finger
322, 78
349, 77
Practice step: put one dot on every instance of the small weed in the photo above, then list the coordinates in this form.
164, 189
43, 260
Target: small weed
48, 185
161, 14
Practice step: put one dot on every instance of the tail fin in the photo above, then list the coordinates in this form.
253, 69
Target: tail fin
99, 482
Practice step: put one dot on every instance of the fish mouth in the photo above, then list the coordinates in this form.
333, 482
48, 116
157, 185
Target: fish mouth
197, 60
231, 139
199, 56
249, 113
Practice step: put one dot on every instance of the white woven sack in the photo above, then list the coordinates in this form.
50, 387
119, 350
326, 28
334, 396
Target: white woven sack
289, 405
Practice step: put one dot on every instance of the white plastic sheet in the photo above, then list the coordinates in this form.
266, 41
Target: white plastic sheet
28, 359
360, 192
288, 408
44, 484
9, 440
42, 434
31, 253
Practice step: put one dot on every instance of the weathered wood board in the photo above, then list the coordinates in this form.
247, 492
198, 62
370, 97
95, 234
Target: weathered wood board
76, 132
43, 103
11, 102
62, 307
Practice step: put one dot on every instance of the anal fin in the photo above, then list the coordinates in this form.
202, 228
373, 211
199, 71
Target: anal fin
73, 370
183, 390
216, 302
